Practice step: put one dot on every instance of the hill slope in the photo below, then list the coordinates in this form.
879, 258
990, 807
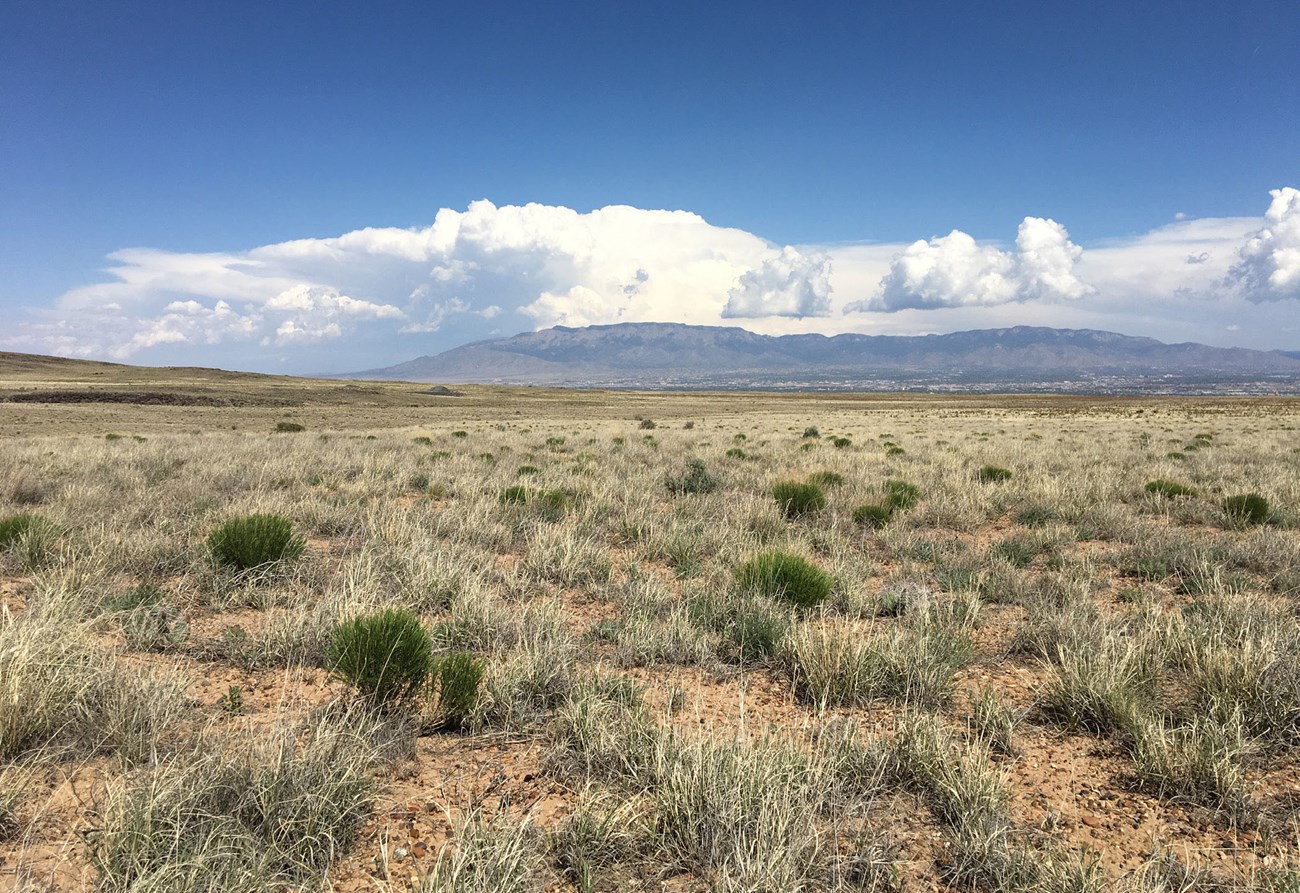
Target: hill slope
674, 355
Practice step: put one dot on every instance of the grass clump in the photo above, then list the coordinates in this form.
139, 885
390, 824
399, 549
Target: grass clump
872, 515
811, 431
797, 499
827, 479
736, 453
386, 656
453, 687
783, 575
900, 495
1246, 509
993, 474
841, 442
694, 479
288, 427
1169, 489
238, 814
255, 541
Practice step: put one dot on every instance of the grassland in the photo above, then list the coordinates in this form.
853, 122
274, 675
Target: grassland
1060, 680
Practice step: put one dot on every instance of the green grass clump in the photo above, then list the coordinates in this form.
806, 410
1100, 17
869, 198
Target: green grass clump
255, 541
524, 470
785, 576
453, 686
841, 442
460, 434
872, 515
993, 474
895, 451
647, 425
1246, 509
1169, 489
901, 496
516, 494
811, 431
15, 527
386, 656
736, 453
695, 479
826, 478
798, 499
288, 427
422, 440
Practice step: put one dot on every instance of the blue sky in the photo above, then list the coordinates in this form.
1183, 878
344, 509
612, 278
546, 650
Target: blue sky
208, 134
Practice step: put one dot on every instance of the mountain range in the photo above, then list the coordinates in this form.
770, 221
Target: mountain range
1023, 358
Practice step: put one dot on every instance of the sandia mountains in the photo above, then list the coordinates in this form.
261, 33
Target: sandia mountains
1024, 358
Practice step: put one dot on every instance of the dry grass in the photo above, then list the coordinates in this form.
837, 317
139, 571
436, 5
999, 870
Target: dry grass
1044, 683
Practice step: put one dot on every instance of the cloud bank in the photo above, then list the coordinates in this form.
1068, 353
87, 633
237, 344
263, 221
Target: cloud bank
490, 270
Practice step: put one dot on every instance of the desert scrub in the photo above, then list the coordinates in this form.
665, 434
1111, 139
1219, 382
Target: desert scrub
872, 515
1169, 489
826, 478
255, 541
1245, 509
797, 499
785, 576
913, 664
488, 855
900, 495
1201, 761
992, 474
454, 680
288, 427
247, 814
385, 657
30, 539
695, 478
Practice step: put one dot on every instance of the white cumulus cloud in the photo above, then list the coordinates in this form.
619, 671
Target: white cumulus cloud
1268, 265
789, 283
956, 271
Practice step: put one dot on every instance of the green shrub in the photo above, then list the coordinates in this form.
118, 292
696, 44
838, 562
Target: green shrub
647, 425
785, 576
1176, 456
453, 685
422, 440
993, 474
460, 434
811, 431
736, 453
255, 541
695, 479
895, 451
1169, 489
552, 504
516, 494
523, 470
1246, 508
386, 656
841, 442
872, 515
900, 495
827, 479
288, 427
797, 498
